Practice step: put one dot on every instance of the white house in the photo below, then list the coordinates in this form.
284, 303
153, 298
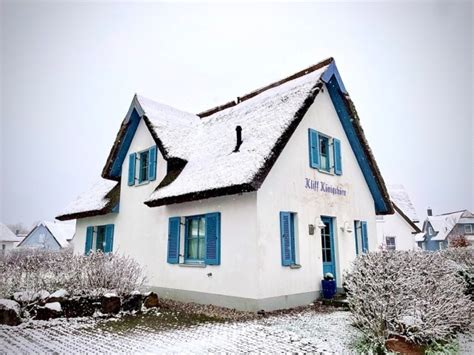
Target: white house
245, 205
397, 231
8, 239
49, 235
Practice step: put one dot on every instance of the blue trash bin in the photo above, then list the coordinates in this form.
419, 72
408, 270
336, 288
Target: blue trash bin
329, 288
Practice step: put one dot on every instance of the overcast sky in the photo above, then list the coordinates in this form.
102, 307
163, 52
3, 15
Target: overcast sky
69, 72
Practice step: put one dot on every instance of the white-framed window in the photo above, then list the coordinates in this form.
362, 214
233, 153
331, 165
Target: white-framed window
468, 229
142, 166
324, 153
390, 242
143, 159
430, 230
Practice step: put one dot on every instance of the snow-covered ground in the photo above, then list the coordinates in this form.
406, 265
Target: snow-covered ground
305, 331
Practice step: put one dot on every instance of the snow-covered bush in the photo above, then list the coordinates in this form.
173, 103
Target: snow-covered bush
464, 257
34, 270
415, 295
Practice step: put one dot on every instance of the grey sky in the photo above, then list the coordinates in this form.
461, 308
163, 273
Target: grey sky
69, 72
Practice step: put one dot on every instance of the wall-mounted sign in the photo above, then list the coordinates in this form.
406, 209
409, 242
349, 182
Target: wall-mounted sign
321, 186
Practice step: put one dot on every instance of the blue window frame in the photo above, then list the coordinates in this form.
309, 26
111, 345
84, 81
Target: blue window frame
195, 239
143, 171
324, 153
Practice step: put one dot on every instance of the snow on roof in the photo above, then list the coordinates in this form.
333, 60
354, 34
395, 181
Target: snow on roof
63, 232
92, 199
210, 142
443, 224
420, 237
6, 235
400, 197
171, 125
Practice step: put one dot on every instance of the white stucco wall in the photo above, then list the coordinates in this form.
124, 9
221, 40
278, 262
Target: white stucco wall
284, 190
142, 232
395, 226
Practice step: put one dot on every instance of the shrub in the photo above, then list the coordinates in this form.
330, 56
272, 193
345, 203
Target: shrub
459, 241
464, 257
416, 295
33, 270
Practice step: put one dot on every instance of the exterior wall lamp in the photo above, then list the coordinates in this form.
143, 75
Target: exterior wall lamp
347, 227
320, 224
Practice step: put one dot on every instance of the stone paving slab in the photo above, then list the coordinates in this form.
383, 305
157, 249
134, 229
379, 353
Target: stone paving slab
304, 332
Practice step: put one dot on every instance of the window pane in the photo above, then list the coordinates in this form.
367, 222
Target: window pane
323, 145
195, 239
328, 255
194, 227
328, 241
143, 166
100, 238
193, 248
202, 248
202, 227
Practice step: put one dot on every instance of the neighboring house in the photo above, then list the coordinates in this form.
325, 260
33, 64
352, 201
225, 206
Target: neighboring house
8, 239
245, 205
50, 235
439, 230
397, 231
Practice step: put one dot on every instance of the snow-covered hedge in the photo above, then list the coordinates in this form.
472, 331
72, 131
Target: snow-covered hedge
32, 270
416, 295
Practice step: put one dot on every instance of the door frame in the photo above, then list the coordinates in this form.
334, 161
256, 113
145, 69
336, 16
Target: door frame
330, 221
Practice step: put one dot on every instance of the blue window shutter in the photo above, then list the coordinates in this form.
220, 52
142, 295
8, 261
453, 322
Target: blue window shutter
355, 236
109, 238
365, 239
213, 238
89, 238
337, 156
313, 140
174, 229
285, 237
131, 169
152, 164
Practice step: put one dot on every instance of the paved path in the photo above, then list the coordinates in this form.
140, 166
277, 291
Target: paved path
305, 332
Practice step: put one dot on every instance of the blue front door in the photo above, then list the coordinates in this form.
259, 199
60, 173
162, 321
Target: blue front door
327, 246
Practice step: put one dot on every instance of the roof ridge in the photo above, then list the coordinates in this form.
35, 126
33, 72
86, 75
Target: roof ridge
255, 92
448, 213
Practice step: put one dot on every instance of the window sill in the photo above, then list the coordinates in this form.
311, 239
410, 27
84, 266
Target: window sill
142, 183
295, 266
325, 172
188, 264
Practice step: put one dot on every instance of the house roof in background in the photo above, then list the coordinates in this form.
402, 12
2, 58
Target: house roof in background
62, 232
6, 235
443, 224
400, 197
201, 147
